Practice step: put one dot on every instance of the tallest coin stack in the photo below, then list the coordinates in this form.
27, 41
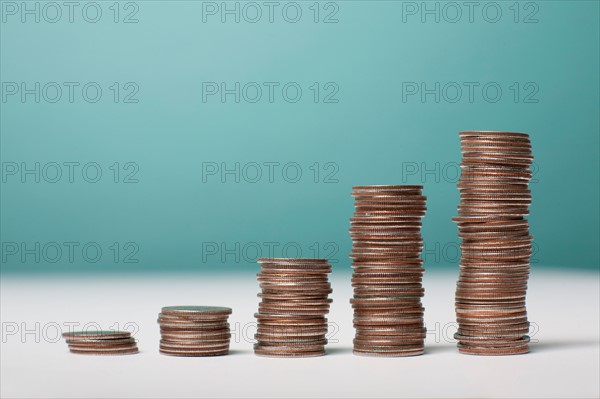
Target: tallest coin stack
496, 244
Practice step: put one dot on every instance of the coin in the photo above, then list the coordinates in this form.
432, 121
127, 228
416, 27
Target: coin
193, 352
101, 343
196, 311
96, 335
261, 351
114, 351
385, 352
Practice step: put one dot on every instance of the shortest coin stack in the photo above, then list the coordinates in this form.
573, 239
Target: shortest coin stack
101, 342
194, 330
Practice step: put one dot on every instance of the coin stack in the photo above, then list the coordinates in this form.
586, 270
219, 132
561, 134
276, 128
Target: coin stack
194, 330
101, 342
387, 276
496, 244
294, 303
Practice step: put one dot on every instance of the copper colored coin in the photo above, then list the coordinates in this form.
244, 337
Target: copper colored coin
194, 338
196, 328
194, 346
260, 351
285, 341
411, 259
86, 335
470, 350
306, 292
393, 188
292, 311
318, 338
384, 301
288, 347
292, 260
298, 302
193, 353
378, 352
492, 134
386, 321
106, 343
375, 220
489, 338
298, 278
196, 311
107, 349
192, 322
365, 311
123, 351
292, 296
287, 323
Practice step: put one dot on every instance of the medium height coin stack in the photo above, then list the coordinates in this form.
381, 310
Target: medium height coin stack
294, 303
386, 249
194, 330
496, 244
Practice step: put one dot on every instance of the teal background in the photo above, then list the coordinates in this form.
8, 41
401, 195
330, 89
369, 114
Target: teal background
369, 134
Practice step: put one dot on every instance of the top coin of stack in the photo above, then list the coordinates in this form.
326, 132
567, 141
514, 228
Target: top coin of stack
496, 246
386, 249
294, 303
101, 342
194, 330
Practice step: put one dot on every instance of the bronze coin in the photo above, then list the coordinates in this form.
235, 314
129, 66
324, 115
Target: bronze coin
196, 311
195, 327
96, 335
395, 352
259, 351
112, 352
291, 296
101, 343
193, 353
468, 350
288, 347
293, 260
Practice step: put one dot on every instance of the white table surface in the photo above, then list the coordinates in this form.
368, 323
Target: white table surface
564, 360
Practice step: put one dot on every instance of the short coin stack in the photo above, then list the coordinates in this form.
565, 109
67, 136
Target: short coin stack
194, 330
496, 244
101, 342
294, 303
386, 249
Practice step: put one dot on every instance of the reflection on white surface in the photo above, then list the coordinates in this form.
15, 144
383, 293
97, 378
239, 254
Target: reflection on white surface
564, 360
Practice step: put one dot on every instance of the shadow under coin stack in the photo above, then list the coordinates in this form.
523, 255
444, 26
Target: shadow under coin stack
386, 249
496, 244
101, 342
194, 330
294, 303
